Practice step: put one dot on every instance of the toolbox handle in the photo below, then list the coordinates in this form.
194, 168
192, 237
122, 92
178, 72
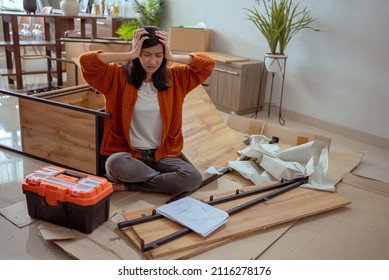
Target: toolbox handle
74, 174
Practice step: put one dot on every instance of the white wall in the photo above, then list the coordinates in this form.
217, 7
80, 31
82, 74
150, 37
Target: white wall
339, 75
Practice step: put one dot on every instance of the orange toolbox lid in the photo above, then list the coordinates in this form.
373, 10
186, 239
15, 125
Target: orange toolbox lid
64, 185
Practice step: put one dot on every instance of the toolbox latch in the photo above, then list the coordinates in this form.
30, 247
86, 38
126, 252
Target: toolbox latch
54, 194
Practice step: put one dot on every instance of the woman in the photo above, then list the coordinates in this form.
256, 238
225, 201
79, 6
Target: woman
143, 138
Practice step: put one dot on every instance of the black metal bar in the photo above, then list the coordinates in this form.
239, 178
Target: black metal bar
238, 194
286, 186
280, 118
140, 220
163, 240
241, 194
271, 94
264, 198
203, 183
98, 145
56, 103
260, 90
19, 152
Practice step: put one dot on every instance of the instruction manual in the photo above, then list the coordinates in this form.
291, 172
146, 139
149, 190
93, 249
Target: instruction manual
195, 215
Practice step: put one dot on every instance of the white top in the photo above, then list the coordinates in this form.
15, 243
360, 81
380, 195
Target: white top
146, 123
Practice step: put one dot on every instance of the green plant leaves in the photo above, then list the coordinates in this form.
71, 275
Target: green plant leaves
280, 22
150, 13
126, 29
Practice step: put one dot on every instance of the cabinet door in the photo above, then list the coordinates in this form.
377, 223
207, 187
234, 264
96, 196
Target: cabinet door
225, 87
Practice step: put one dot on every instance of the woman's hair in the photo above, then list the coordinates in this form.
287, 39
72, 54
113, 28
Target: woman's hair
135, 72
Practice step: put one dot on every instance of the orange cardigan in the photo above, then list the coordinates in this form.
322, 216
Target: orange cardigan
120, 97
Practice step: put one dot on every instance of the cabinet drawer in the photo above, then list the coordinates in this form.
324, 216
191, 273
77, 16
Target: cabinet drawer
225, 70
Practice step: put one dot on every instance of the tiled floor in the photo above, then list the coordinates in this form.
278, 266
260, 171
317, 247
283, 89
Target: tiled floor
25, 242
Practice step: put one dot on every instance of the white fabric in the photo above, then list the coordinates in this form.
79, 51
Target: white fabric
146, 123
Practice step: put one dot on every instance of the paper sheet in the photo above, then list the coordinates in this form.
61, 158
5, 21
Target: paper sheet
259, 146
309, 159
194, 214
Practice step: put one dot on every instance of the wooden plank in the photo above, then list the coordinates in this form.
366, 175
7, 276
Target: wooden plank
204, 130
59, 134
290, 206
86, 99
181, 255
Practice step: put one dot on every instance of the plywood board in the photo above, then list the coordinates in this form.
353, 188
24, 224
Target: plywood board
296, 204
58, 134
135, 240
204, 131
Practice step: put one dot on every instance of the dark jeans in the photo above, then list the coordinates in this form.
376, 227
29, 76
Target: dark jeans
169, 175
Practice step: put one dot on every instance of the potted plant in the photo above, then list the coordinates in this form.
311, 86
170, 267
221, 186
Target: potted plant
280, 21
150, 12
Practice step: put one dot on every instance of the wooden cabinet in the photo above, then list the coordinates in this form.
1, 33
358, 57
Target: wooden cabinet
234, 86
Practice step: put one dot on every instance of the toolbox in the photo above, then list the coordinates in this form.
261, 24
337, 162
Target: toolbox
67, 198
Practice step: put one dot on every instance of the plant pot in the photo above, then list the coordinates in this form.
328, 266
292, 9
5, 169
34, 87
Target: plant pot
275, 63
29, 6
70, 7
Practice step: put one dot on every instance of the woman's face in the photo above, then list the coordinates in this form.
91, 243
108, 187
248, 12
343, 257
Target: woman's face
151, 58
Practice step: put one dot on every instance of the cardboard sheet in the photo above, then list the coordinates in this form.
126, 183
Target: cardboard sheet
17, 214
286, 135
358, 231
104, 243
54, 232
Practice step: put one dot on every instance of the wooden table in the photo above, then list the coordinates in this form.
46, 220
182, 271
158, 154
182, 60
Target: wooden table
56, 23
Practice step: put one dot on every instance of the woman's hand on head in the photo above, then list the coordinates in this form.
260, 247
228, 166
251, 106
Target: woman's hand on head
163, 38
137, 41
